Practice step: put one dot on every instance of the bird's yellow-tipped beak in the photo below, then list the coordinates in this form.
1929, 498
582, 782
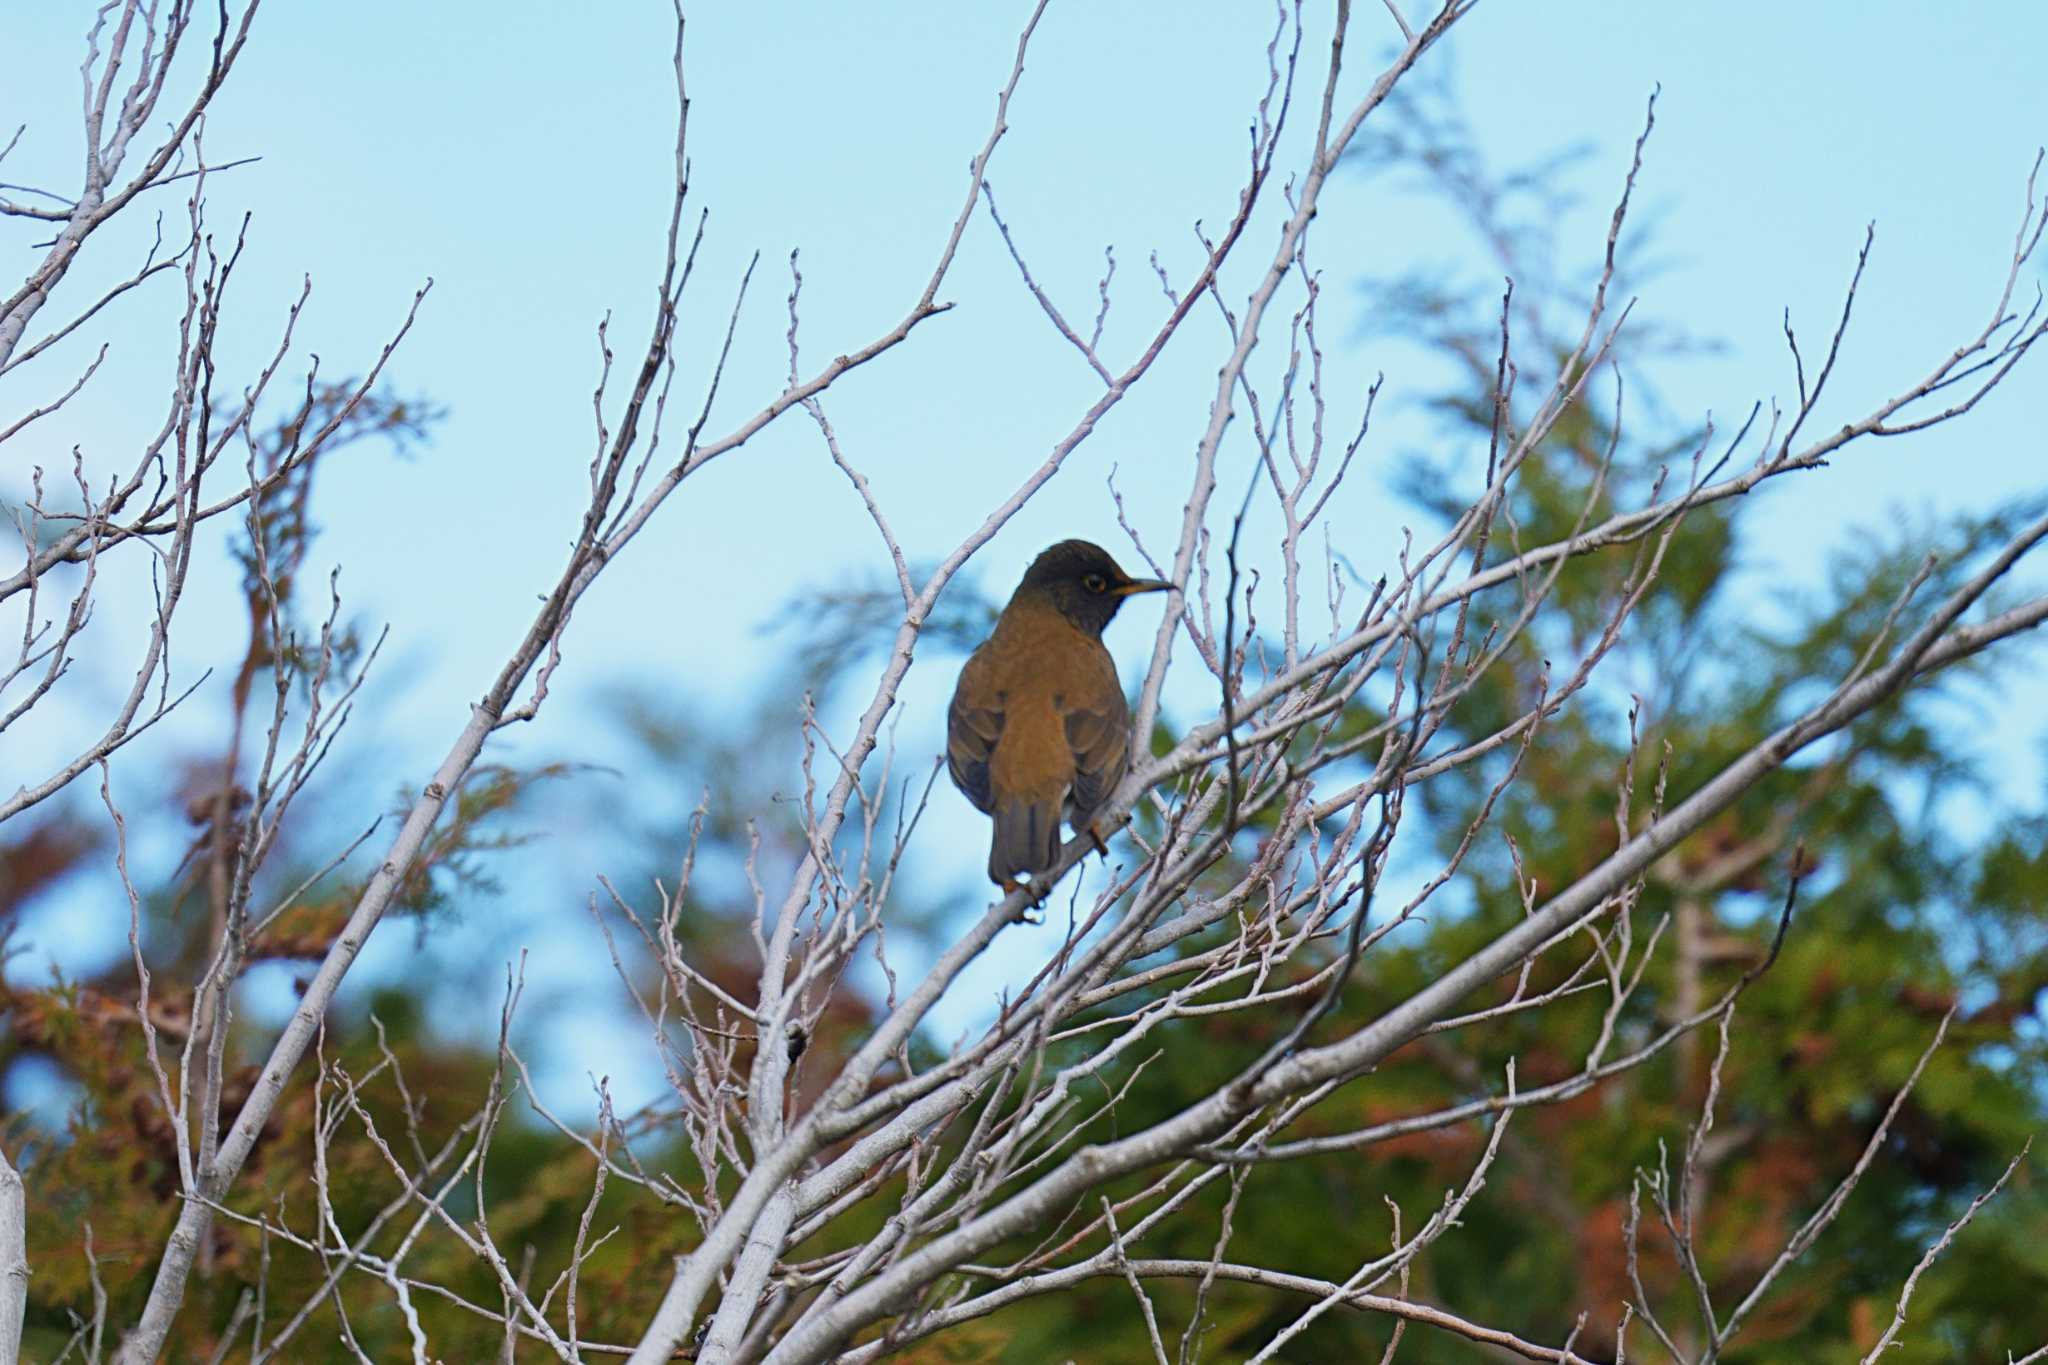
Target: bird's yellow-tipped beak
1138, 585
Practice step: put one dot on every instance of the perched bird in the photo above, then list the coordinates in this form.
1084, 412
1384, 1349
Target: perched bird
1038, 726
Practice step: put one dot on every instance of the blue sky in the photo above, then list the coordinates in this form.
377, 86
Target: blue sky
518, 155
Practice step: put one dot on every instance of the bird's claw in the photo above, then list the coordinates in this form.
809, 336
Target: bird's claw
1035, 891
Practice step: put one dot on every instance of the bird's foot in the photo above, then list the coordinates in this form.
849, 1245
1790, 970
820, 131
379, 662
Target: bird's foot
1095, 838
1039, 890
1035, 892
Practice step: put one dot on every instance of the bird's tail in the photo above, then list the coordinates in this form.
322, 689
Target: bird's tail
1026, 841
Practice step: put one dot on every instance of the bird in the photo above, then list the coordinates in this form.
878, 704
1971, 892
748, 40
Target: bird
1038, 727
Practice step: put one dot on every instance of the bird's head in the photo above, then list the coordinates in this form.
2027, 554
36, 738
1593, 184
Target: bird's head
1083, 582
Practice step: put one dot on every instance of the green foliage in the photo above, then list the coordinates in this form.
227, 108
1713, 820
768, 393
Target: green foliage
1901, 918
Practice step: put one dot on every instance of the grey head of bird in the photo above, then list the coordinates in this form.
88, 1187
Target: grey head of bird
1081, 580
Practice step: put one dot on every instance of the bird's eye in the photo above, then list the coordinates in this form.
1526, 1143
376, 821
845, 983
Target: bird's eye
1095, 582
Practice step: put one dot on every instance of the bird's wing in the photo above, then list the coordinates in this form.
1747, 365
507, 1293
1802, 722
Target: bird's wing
971, 734
1099, 736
